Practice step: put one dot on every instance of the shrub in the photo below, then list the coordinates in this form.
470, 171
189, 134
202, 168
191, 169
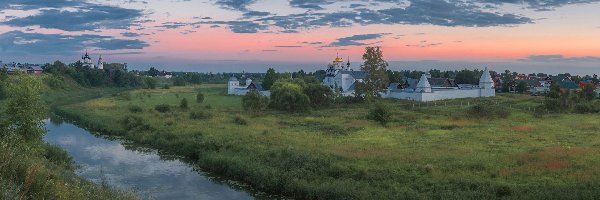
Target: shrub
199, 97
163, 108
166, 86
380, 114
241, 120
319, 95
586, 107
184, 104
54, 81
287, 96
200, 115
179, 81
254, 102
135, 109
150, 83
130, 122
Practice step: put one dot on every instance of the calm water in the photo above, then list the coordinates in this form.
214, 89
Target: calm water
102, 160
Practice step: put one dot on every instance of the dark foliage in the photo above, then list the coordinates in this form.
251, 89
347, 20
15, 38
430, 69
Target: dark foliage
163, 108
254, 102
380, 114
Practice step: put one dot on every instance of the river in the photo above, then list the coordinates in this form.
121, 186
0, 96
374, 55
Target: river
109, 161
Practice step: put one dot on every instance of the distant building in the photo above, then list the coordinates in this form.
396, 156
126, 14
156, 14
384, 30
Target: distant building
423, 90
35, 70
100, 63
234, 87
86, 61
342, 78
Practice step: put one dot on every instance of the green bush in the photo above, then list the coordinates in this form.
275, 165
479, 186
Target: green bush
166, 86
135, 109
199, 97
150, 82
163, 108
380, 114
254, 102
587, 107
184, 104
54, 81
319, 95
200, 115
179, 81
130, 122
287, 96
241, 120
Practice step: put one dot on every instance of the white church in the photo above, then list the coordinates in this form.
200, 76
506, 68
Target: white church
86, 60
342, 78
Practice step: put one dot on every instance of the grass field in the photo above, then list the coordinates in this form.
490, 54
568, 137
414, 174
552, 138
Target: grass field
434, 150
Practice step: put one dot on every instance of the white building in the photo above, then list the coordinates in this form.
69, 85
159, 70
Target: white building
100, 63
342, 78
234, 87
424, 91
86, 61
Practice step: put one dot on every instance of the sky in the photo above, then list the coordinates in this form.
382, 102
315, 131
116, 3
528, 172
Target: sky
550, 36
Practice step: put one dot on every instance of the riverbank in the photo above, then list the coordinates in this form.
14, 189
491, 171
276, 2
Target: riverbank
32, 169
432, 150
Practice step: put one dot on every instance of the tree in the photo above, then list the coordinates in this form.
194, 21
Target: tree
184, 104
24, 109
589, 92
288, 96
394, 76
153, 72
269, 79
199, 97
554, 91
466, 76
179, 81
376, 80
151, 83
254, 102
319, 95
522, 87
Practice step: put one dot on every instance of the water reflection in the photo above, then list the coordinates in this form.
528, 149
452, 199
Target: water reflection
100, 160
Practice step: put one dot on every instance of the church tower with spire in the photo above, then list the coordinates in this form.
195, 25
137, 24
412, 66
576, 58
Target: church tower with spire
87, 60
486, 84
100, 63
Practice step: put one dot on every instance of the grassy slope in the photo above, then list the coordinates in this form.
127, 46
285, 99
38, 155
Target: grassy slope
41, 171
429, 151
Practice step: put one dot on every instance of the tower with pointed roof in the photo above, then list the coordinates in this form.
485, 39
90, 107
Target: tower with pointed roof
423, 86
100, 63
486, 84
86, 60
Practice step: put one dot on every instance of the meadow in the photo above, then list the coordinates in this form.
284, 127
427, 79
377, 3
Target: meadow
443, 149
